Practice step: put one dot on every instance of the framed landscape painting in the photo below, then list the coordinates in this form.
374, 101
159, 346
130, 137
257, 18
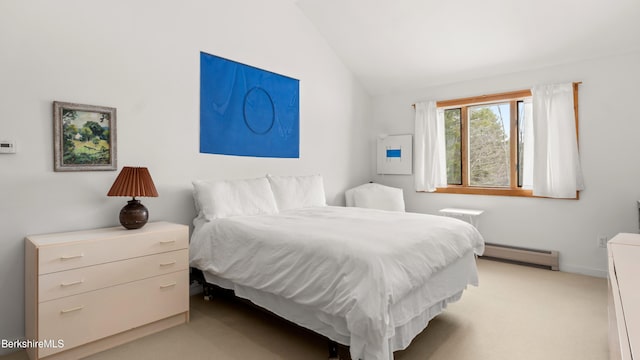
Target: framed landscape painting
84, 137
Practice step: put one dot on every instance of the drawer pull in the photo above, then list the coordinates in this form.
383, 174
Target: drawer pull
167, 263
167, 285
63, 258
71, 283
164, 242
66, 311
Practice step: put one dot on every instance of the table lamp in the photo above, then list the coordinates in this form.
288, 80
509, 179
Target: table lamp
133, 181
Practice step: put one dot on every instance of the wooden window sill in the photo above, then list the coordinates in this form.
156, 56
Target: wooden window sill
453, 189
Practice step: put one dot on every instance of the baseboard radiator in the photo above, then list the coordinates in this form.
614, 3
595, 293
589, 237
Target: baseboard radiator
539, 258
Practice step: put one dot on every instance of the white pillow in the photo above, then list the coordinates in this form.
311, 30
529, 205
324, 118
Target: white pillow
294, 192
376, 196
224, 198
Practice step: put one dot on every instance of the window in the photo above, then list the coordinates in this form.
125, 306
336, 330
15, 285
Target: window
486, 144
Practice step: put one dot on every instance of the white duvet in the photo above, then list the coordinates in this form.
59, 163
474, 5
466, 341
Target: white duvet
348, 262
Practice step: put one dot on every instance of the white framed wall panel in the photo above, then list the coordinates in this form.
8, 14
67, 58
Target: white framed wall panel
395, 154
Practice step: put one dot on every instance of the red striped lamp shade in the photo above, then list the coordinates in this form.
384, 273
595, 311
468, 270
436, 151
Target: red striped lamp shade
133, 181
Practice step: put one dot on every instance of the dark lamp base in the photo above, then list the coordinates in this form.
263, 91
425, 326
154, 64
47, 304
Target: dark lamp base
134, 215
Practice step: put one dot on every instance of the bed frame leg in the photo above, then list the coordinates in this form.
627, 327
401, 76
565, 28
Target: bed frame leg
207, 290
333, 350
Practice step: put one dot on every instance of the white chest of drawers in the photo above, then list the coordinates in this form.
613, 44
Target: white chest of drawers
624, 297
92, 290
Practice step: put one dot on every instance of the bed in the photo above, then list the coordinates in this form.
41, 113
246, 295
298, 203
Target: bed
369, 279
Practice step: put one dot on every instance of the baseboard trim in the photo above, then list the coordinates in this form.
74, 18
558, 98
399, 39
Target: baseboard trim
600, 273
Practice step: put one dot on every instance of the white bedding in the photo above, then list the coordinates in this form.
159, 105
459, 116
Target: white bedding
351, 263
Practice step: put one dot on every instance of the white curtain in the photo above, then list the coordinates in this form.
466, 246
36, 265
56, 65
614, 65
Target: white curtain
556, 162
526, 130
430, 153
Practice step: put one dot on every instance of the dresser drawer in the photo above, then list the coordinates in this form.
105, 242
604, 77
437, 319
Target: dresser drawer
94, 315
120, 245
71, 282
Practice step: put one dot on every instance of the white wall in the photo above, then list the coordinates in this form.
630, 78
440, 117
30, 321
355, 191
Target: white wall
609, 130
142, 57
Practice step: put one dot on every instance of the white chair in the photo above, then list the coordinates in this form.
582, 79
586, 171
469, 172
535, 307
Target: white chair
375, 196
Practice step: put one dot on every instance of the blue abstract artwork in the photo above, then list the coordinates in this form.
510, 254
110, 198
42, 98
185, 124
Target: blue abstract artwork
246, 111
395, 154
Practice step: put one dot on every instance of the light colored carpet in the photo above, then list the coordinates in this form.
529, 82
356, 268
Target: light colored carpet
517, 312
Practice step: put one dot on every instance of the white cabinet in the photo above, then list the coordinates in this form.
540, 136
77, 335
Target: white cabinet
92, 290
624, 296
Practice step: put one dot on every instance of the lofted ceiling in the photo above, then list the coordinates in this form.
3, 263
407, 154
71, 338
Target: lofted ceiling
403, 44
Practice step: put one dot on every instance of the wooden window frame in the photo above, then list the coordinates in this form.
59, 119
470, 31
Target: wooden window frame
513, 97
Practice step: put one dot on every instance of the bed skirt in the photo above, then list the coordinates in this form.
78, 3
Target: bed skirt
410, 315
